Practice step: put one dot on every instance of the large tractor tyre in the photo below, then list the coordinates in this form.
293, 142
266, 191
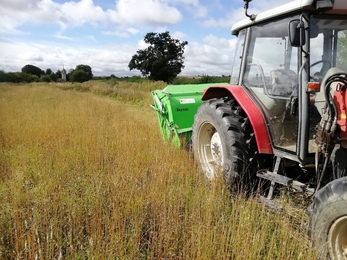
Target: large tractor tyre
328, 220
223, 143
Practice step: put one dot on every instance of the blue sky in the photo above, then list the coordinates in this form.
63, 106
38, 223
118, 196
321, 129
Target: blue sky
104, 34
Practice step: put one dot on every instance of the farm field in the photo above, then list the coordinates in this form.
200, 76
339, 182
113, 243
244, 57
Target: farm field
84, 174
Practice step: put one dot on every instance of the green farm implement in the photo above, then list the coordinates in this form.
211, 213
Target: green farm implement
176, 106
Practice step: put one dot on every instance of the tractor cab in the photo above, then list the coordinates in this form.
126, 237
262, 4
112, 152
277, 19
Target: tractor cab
281, 59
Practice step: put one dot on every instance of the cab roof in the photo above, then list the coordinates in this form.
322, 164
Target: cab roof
340, 7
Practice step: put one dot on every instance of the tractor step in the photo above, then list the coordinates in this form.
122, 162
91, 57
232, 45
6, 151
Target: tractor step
283, 180
280, 179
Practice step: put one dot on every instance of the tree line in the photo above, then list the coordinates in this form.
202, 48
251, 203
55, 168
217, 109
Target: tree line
31, 73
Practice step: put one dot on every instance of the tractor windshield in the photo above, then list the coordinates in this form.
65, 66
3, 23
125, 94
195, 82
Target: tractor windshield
328, 49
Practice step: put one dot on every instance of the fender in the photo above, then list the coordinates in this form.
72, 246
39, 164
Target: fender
254, 114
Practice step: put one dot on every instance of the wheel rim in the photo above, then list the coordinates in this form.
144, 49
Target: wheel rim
337, 239
210, 150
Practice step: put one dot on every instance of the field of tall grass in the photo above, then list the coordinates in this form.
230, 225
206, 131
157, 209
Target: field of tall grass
84, 174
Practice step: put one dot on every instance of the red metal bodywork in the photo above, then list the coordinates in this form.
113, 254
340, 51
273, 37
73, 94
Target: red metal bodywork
255, 116
340, 99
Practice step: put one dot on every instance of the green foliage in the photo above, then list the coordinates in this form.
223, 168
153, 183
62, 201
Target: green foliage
162, 59
17, 77
87, 69
53, 77
135, 79
200, 80
79, 76
49, 71
45, 78
341, 59
206, 79
25, 77
33, 70
58, 74
3, 76
185, 80
112, 81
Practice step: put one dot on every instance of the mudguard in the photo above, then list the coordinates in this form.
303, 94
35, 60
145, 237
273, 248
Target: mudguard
254, 114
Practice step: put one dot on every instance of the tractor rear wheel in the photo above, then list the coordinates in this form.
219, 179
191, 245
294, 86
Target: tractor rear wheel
328, 220
223, 143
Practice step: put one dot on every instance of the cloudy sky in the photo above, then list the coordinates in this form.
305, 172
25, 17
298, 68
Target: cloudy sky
104, 34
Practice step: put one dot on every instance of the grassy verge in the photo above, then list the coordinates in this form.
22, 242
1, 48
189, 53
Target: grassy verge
84, 176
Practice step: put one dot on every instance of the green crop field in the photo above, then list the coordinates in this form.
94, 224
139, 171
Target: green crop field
84, 174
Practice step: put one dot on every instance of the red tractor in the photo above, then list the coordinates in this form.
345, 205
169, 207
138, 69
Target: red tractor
283, 116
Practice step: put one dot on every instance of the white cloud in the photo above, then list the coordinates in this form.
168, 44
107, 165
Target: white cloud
146, 12
220, 43
179, 35
123, 19
209, 59
76, 13
237, 14
133, 30
142, 45
82, 12
193, 6
104, 60
212, 58
225, 22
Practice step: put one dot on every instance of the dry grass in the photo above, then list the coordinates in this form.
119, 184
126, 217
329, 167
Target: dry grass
135, 93
84, 176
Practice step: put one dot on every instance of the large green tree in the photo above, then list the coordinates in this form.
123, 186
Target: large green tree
87, 69
162, 59
33, 70
49, 71
79, 76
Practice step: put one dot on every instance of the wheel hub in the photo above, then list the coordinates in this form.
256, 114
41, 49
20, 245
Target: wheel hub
337, 238
217, 149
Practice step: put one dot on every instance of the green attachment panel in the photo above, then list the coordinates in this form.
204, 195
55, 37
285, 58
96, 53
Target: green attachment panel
176, 106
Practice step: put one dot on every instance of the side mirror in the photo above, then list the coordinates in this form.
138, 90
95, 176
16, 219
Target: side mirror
314, 30
296, 33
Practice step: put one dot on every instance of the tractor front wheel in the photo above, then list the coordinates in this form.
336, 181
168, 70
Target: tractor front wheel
328, 223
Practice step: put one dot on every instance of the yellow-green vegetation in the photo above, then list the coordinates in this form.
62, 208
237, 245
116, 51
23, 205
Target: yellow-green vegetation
85, 176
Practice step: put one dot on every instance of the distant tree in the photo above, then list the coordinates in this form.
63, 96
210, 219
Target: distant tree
53, 77
45, 78
79, 76
3, 76
17, 77
58, 74
135, 79
33, 70
49, 71
85, 68
162, 59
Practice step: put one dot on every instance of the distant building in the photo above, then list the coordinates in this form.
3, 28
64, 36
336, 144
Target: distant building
63, 75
